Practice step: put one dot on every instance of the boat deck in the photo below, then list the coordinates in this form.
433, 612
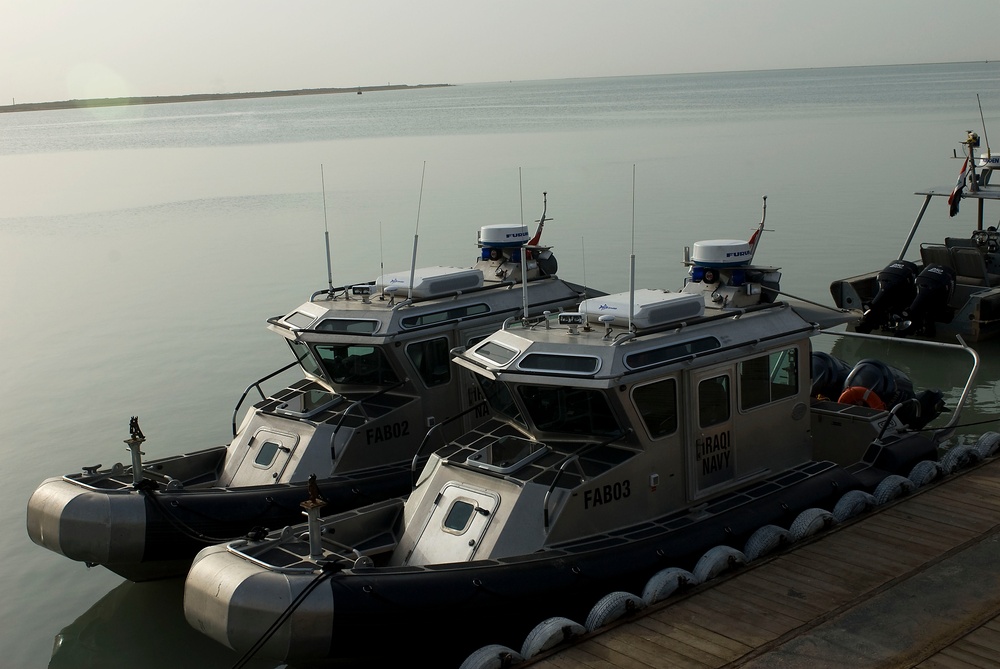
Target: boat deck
914, 584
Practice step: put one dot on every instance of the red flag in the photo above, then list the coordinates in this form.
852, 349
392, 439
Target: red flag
956, 193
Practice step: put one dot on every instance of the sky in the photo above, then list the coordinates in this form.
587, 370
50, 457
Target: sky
70, 49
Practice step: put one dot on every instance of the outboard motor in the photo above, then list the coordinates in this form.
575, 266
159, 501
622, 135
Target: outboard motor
935, 286
896, 291
893, 387
828, 375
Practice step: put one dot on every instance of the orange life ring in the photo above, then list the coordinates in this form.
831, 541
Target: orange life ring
861, 396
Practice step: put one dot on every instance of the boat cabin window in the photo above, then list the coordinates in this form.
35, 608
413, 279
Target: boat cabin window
657, 405
453, 314
459, 517
298, 319
663, 354
499, 398
495, 352
431, 360
353, 364
305, 358
713, 401
348, 326
265, 456
769, 378
565, 364
569, 410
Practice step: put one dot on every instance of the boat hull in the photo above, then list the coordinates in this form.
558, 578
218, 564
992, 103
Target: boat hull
235, 600
149, 534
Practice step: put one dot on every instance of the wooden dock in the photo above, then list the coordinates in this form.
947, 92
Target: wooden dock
913, 584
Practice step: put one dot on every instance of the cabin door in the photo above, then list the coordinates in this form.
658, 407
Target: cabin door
456, 525
711, 444
266, 456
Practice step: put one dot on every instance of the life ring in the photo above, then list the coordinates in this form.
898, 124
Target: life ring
861, 396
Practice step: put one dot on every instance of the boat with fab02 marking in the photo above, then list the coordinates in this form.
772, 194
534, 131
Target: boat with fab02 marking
376, 382
953, 287
626, 437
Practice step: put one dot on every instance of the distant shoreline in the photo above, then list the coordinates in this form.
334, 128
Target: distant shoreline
199, 97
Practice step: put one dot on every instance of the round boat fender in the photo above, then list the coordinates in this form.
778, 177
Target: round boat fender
766, 540
665, 583
493, 656
550, 633
988, 444
861, 396
809, 522
892, 487
924, 472
612, 607
958, 457
853, 503
717, 560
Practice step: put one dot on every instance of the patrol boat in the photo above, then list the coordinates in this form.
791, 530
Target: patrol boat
627, 437
376, 383
954, 285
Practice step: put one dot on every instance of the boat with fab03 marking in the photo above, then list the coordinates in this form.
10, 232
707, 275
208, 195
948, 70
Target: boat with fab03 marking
376, 382
626, 437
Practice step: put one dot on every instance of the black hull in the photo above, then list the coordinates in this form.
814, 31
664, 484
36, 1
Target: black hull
180, 523
467, 605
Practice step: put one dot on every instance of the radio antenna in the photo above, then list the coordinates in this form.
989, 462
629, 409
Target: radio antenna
413, 261
326, 233
631, 263
985, 138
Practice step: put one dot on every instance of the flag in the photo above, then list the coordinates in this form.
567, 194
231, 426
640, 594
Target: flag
956, 193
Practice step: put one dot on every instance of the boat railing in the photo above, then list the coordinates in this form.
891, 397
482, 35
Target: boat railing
942, 433
359, 403
433, 430
256, 386
571, 458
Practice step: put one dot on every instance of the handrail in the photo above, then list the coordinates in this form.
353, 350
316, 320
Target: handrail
946, 431
256, 384
572, 457
423, 442
361, 401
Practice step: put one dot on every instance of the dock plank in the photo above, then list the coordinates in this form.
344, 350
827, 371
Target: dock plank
912, 584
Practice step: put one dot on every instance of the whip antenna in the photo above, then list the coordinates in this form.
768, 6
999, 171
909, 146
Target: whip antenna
985, 138
631, 263
326, 232
413, 261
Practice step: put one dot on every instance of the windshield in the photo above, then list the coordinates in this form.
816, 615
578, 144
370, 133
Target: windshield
569, 410
346, 364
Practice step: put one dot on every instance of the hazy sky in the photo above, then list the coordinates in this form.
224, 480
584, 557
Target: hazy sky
63, 49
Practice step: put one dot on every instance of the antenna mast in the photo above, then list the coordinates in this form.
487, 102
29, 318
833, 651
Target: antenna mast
326, 233
413, 261
631, 263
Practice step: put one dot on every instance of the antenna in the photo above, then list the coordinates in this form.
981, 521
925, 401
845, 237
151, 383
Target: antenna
985, 138
583, 262
755, 237
631, 265
381, 259
413, 261
326, 232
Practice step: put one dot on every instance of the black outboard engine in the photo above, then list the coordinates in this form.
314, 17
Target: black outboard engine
896, 291
893, 387
935, 286
828, 375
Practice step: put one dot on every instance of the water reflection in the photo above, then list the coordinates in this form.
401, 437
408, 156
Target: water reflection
140, 623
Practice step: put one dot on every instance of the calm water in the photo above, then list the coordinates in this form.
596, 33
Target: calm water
142, 249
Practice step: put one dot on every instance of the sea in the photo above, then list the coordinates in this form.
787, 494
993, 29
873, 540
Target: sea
142, 249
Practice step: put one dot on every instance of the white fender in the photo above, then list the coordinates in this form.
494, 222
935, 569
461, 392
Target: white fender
766, 540
853, 503
550, 633
717, 560
988, 444
892, 487
924, 472
493, 656
665, 582
612, 607
809, 522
